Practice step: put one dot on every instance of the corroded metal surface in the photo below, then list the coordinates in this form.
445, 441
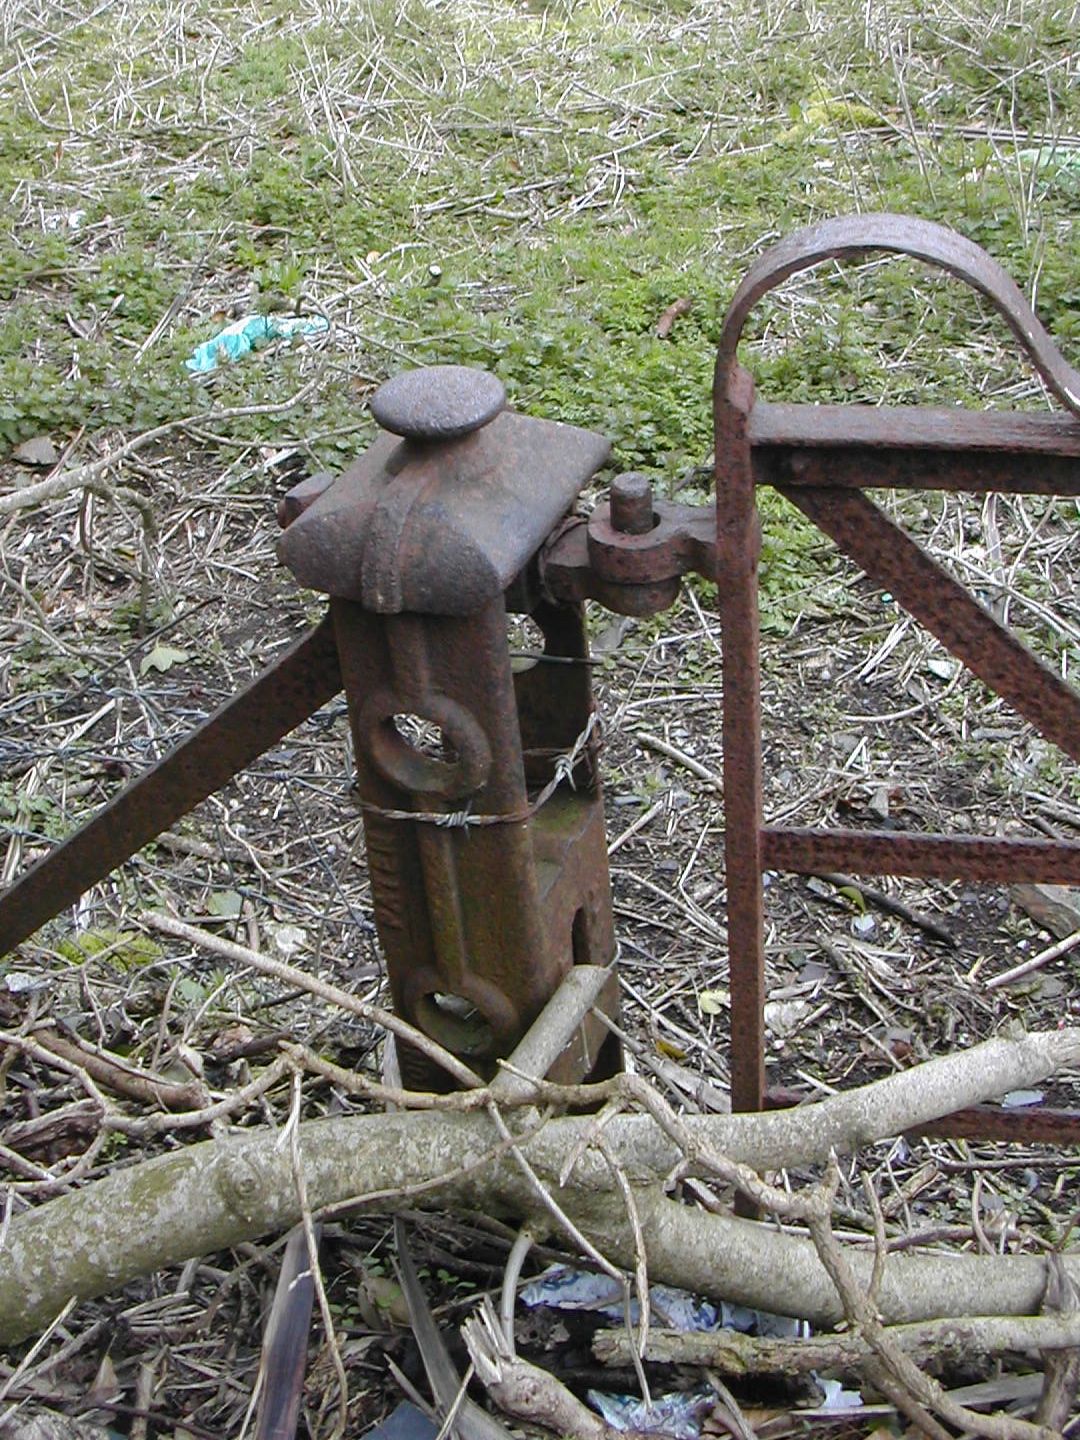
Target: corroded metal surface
852, 236
630, 504
633, 572
489, 875
1031, 1125
870, 447
442, 522
926, 590
993, 860
438, 402
480, 917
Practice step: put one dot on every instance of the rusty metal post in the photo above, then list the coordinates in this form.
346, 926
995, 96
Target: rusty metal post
481, 801
738, 547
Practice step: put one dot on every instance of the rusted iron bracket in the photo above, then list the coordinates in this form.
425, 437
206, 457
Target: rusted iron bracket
478, 778
478, 781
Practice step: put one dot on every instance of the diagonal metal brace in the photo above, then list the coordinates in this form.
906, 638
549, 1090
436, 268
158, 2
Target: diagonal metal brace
927, 591
286, 693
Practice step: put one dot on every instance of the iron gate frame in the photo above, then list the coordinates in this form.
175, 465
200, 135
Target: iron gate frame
823, 459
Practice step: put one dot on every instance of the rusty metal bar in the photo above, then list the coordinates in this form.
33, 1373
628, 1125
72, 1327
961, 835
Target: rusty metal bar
889, 852
738, 546
1030, 1125
286, 693
927, 591
866, 447
853, 236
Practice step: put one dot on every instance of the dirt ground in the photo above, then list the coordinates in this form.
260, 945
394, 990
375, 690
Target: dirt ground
118, 639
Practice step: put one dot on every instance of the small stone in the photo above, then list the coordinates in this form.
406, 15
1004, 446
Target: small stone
287, 940
878, 803
1054, 908
38, 451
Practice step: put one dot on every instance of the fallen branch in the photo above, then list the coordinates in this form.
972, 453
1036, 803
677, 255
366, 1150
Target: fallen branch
522, 1389
930, 1343
302, 980
891, 904
915, 1393
1026, 967
59, 484
120, 1075
1061, 1373
219, 1193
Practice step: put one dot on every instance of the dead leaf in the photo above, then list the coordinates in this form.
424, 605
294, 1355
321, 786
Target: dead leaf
783, 1016
38, 451
162, 658
714, 1002
670, 315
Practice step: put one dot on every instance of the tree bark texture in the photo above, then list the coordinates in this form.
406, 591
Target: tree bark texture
219, 1193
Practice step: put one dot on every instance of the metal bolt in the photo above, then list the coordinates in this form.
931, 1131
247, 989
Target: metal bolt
631, 504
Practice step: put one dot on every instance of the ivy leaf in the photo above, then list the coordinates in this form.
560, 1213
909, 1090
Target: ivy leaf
225, 904
162, 658
853, 894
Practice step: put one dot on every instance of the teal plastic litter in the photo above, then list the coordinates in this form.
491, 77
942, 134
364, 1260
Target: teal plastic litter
245, 335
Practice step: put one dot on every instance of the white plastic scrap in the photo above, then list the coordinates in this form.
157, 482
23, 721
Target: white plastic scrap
678, 1415
561, 1287
836, 1397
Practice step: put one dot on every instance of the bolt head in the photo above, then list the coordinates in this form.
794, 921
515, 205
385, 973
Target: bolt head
631, 504
439, 402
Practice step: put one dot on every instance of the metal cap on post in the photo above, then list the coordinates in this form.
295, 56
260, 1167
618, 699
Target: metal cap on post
448, 505
440, 402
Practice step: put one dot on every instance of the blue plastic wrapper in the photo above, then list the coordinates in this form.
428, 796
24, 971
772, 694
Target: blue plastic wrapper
563, 1288
245, 335
678, 1415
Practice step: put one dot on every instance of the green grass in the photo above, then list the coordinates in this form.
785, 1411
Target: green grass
571, 168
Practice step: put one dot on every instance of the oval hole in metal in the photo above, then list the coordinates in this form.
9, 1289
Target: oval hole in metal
455, 1022
406, 760
425, 737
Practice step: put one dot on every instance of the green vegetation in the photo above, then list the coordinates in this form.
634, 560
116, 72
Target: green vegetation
525, 187
571, 169
123, 949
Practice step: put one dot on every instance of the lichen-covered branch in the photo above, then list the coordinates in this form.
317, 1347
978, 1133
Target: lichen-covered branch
218, 1193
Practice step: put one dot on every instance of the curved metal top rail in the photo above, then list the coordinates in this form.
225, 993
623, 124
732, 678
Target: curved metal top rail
849, 236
